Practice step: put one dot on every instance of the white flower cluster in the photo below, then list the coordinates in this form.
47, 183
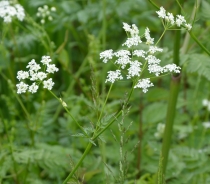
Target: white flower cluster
45, 13
179, 20
35, 75
8, 10
206, 103
160, 130
136, 61
206, 124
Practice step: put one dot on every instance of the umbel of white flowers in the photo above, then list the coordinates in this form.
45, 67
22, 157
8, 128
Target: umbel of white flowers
9, 9
170, 21
45, 13
134, 61
37, 76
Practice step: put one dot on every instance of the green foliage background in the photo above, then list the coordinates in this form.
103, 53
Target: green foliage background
39, 142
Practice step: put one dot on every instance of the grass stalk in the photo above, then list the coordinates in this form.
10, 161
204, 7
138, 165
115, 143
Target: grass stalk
95, 136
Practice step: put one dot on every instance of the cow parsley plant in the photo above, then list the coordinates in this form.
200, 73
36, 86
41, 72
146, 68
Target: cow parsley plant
169, 20
45, 13
10, 10
134, 61
36, 76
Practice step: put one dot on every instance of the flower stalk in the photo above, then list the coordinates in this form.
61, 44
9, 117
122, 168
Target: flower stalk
172, 101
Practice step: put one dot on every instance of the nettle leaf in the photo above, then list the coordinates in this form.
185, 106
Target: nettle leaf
200, 64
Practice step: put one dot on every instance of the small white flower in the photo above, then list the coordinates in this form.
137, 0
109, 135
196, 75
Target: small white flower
106, 55
34, 75
150, 40
22, 75
53, 9
170, 18
160, 131
50, 18
31, 63
113, 76
42, 21
45, 13
139, 53
180, 20
144, 84
20, 12
33, 88
134, 69
134, 31
133, 41
156, 69
9, 11
51, 68
126, 27
152, 60
48, 84
46, 60
161, 13
153, 49
21, 87
205, 102
123, 61
33, 66
122, 53
188, 26
41, 75
206, 125
171, 68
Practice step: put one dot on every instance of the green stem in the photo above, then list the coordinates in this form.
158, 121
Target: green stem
174, 90
107, 126
157, 7
173, 96
161, 36
70, 114
89, 146
199, 43
99, 119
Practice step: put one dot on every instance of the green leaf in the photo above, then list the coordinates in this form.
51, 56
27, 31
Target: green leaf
200, 64
205, 7
154, 112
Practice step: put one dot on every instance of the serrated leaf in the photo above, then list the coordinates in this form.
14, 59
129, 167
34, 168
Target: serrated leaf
79, 135
200, 64
91, 141
102, 139
205, 10
106, 119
